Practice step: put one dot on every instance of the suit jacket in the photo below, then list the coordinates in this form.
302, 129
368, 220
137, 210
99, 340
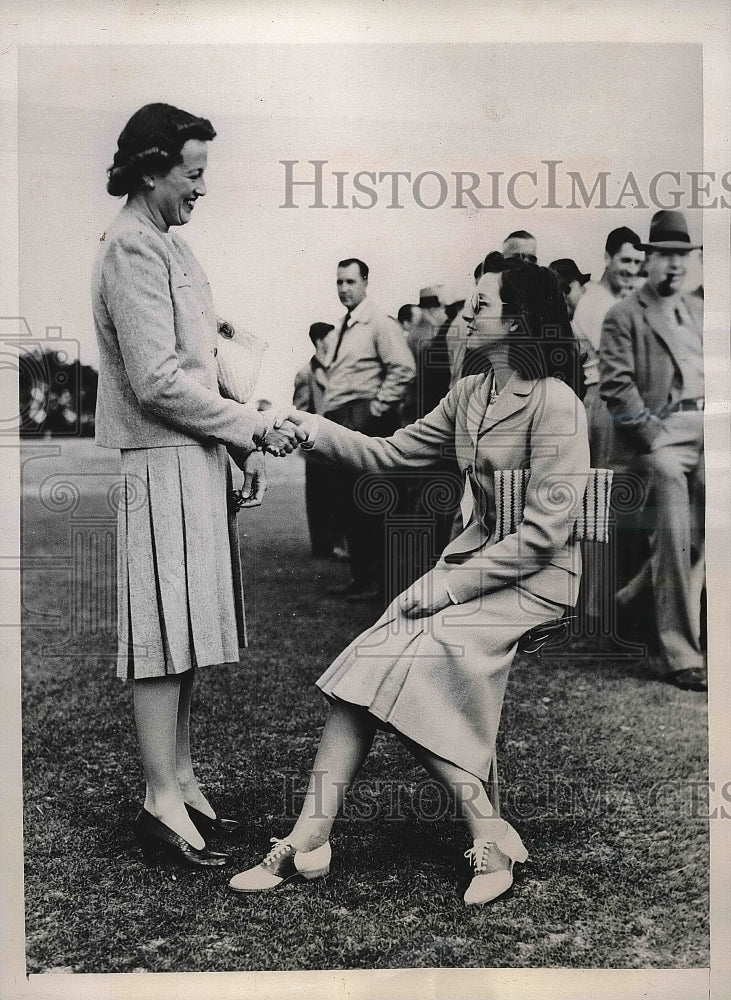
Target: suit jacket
536, 424
639, 374
310, 383
156, 329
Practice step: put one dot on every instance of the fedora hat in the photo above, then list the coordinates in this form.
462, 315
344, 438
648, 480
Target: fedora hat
431, 297
568, 271
669, 231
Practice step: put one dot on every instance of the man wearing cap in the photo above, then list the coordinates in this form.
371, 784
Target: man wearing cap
651, 370
309, 395
369, 373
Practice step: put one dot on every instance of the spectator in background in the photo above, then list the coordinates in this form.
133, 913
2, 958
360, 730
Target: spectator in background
651, 367
408, 317
456, 338
320, 481
594, 586
431, 500
522, 246
573, 285
432, 315
369, 375
623, 258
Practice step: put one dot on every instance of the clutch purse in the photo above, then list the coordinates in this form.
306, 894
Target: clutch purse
592, 520
239, 356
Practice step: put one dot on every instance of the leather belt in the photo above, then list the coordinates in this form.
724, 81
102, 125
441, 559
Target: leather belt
686, 404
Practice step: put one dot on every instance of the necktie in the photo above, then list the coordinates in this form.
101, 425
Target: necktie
343, 328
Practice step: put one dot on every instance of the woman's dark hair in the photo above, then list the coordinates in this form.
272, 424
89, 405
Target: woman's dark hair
151, 141
541, 341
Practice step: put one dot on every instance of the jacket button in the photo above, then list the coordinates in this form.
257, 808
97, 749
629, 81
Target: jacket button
215, 351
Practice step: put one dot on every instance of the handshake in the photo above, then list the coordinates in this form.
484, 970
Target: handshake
290, 428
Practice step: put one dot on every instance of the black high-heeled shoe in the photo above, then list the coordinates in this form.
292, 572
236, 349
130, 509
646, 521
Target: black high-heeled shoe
207, 826
160, 843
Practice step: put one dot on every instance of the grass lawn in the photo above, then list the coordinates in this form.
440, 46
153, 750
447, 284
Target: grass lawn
598, 765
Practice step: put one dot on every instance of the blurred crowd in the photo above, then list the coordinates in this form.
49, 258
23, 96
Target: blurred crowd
640, 332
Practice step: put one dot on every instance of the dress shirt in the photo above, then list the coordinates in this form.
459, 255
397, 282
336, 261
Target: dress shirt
688, 352
373, 360
591, 309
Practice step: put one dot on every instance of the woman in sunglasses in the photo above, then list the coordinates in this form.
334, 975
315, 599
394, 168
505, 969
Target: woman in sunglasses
433, 669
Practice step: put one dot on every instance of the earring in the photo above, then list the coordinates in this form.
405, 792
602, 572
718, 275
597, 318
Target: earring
150, 183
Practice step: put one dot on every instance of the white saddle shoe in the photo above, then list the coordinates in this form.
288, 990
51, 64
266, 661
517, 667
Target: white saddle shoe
281, 864
493, 862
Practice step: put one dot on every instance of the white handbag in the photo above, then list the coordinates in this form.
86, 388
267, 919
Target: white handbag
239, 356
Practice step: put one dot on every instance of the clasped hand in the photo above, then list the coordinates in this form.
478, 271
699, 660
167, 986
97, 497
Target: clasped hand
303, 423
283, 437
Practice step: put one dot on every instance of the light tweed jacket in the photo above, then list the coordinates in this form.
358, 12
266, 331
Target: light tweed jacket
157, 329
536, 424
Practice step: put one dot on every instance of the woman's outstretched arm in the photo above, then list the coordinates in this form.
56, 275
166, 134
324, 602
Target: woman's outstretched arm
421, 444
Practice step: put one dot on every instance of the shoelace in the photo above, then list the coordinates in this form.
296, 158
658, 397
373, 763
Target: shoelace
281, 847
478, 856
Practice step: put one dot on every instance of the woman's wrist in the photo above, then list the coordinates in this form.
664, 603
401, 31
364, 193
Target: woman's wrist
260, 434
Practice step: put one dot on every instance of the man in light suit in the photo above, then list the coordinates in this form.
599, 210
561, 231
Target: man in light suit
368, 377
651, 369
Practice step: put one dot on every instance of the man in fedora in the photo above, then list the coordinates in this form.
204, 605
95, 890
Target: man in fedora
651, 369
431, 316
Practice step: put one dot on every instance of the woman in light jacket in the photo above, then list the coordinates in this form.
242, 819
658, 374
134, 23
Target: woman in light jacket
435, 666
180, 605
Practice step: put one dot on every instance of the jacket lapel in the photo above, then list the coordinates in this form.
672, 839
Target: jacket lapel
510, 400
659, 321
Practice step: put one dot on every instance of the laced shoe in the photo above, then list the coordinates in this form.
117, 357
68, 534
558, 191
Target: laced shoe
493, 861
282, 863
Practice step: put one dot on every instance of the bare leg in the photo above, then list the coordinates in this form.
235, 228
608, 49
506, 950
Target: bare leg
157, 701
344, 745
187, 780
470, 794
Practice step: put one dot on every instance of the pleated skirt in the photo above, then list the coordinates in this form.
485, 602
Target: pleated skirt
180, 600
440, 680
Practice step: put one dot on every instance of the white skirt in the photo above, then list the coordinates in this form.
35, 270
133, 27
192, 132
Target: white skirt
179, 592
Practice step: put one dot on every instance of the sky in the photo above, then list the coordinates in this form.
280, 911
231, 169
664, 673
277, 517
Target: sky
436, 109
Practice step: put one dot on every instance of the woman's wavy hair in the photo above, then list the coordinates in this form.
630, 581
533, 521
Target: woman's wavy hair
151, 141
541, 341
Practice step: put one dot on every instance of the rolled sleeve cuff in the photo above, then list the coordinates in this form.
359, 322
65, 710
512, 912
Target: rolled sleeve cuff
312, 435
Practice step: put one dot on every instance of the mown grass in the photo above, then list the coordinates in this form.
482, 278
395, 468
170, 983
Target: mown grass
618, 873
